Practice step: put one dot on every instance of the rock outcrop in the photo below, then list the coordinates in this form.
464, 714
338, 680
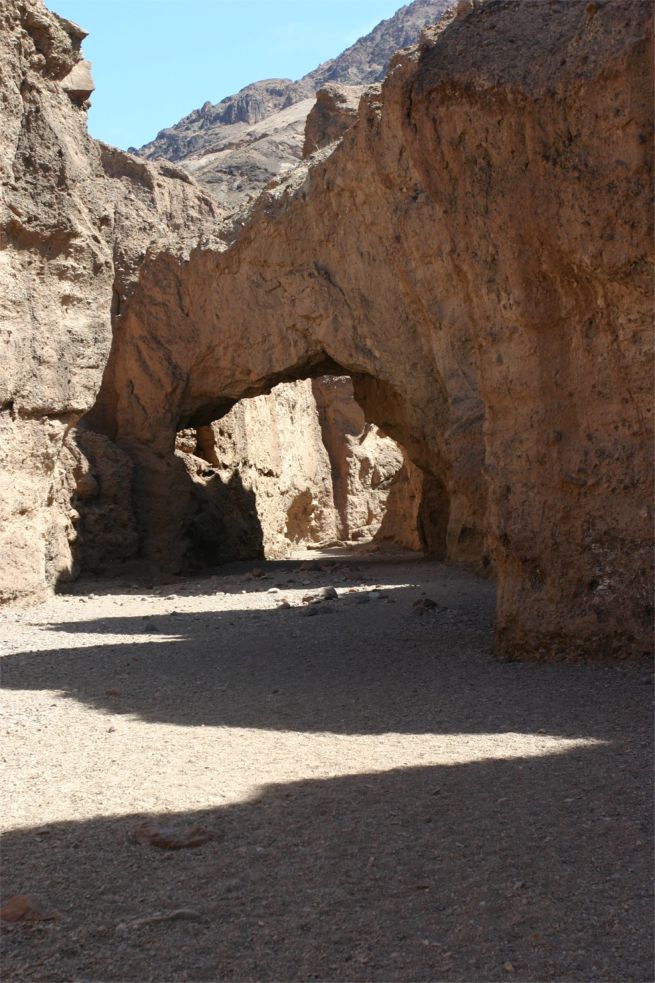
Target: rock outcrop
334, 112
475, 254
269, 453
235, 147
298, 466
364, 464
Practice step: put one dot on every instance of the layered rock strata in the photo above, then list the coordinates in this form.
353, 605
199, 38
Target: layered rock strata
475, 254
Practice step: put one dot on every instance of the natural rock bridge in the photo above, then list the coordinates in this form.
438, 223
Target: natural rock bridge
473, 254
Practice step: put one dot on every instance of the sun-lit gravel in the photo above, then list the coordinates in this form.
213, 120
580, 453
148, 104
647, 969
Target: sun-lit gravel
389, 801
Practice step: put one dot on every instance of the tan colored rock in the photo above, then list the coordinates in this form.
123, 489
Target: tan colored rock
76, 220
476, 255
334, 112
364, 463
262, 478
297, 466
79, 82
402, 522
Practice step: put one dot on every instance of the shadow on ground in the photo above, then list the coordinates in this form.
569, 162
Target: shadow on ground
528, 868
363, 669
533, 869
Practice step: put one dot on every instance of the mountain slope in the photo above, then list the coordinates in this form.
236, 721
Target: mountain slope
235, 147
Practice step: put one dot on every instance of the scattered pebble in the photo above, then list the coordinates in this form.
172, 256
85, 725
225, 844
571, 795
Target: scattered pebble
170, 838
27, 908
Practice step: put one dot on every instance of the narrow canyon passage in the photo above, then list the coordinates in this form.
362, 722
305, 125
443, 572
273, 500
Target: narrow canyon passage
300, 465
388, 800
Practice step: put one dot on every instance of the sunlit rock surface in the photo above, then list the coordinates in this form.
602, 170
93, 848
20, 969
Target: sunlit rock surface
475, 253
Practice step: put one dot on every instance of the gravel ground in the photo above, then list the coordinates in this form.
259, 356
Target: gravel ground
388, 802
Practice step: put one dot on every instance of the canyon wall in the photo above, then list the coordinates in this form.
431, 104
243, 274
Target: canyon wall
366, 467
271, 449
475, 254
299, 466
76, 219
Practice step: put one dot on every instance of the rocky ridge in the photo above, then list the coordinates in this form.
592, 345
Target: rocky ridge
235, 147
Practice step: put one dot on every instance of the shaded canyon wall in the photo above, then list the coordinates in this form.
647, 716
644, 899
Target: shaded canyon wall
76, 219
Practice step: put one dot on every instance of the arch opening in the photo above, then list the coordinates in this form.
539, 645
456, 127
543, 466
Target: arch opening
299, 466
302, 467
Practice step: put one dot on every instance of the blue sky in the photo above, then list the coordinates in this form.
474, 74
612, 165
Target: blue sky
156, 60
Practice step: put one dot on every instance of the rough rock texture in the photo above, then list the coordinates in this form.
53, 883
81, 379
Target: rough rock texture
269, 451
76, 219
334, 112
237, 146
402, 521
298, 466
364, 463
475, 254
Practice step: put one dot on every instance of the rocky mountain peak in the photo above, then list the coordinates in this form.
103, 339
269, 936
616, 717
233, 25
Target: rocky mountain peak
236, 146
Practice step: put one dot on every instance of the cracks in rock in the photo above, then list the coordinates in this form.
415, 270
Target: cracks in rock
17, 414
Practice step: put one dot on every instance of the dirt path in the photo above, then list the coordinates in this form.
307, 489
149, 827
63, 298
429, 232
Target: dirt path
389, 802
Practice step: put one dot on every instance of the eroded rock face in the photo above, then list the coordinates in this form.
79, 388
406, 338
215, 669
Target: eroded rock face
364, 463
76, 219
269, 453
334, 112
298, 466
474, 255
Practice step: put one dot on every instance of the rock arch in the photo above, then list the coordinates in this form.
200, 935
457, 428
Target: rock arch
418, 259
476, 253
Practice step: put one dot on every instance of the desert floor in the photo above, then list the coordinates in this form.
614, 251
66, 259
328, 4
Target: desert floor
387, 800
